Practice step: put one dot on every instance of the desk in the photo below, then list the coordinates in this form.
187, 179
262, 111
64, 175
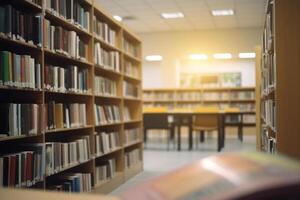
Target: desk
179, 119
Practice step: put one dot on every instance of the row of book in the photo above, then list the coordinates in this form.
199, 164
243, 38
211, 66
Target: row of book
105, 86
21, 26
37, 2
268, 143
132, 158
268, 112
61, 155
64, 115
131, 135
131, 69
130, 48
71, 10
268, 72
103, 31
107, 114
20, 119
24, 168
105, 171
20, 71
130, 90
69, 79
106, 59
73, 182
63, 41
106, 142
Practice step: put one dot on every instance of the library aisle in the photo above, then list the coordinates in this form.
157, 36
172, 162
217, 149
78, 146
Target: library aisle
158, 161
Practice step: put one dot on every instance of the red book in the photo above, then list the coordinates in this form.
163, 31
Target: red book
12, 170
29, 159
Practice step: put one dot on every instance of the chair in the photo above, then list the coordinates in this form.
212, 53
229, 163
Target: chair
206, 119
154, 119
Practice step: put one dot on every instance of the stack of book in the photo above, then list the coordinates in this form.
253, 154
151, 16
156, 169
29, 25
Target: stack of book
131, 135
132, 158
71, 79
20, 119
20, 71
104, 32
107, 114
105, 171
106, 59
63, 41
242, 95
62, 155
106, 142
105, 86
268, 112
130, 48
59, 115
70, 10
187, 96
164, 96
73, 182
23, 169
21, 26
131, 69
130, 90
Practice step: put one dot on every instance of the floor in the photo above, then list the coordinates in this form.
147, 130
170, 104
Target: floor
172, 159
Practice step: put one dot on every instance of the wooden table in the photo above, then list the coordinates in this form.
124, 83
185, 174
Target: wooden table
179, 119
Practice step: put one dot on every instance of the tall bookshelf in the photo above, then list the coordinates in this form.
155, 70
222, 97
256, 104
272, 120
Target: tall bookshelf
279, 80
127, 151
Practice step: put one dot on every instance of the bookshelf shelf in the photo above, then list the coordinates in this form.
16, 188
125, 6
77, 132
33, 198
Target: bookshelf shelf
53, 55
67, 129
132, 144
60, 108
12, 43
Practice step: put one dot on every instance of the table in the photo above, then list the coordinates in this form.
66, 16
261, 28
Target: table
179, 119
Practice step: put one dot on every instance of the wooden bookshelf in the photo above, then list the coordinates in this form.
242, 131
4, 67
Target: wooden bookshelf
243, 97
45, 56
279, 80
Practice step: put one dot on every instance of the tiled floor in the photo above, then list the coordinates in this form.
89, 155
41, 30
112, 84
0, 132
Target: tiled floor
157, 160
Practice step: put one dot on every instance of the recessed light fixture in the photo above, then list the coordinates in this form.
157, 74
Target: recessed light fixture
247, 55
222, 56
118, 18
198, 57
154, 58
172, 15
222, 12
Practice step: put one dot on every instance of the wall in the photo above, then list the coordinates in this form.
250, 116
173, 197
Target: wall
176, 46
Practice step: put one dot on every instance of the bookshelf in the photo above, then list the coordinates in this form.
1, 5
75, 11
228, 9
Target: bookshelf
79, 62
279, 132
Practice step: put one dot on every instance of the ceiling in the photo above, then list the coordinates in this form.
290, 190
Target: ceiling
248, 13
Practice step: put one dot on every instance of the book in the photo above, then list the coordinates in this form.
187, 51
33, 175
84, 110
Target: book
106, 114
131, 135
24, 168
103, 31
127, 115
20, 71
63, 41
21, 119
130, 90
63, 115
106, 142
131, 69
130, 47
68, 79
60, 155
73, 182
105, 86
132, 158
105, 170
106, 59
19, 25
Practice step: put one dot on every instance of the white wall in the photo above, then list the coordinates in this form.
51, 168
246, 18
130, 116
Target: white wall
176, 46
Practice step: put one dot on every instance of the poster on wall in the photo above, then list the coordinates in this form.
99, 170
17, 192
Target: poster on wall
232, 79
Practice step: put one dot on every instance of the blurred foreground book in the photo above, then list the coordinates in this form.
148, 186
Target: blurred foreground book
234, 176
